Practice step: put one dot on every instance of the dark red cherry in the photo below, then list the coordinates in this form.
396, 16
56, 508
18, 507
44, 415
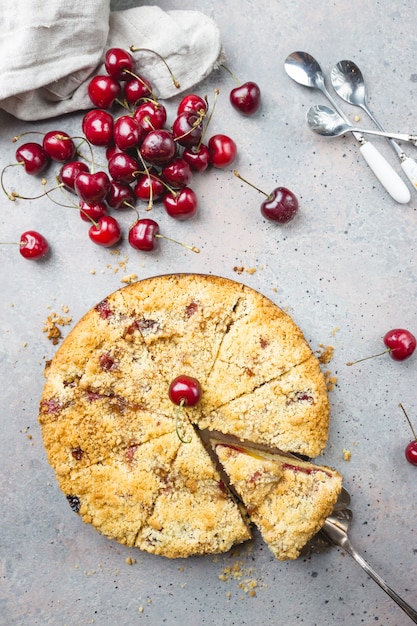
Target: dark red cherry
136, 89
33, 157
185, 390
92, 212
198, 158
151, 115
149, 187
92, 188
127, 133
123, 168
33, 245
106, 232
142, 235
103, 91
97, 126
69, 172
120, 195
280, 206
117, 61
411, 452
187, 129
59, 146
177, 173
222, 151
181, 204
192, 102
246, 98
400, 343
158, 147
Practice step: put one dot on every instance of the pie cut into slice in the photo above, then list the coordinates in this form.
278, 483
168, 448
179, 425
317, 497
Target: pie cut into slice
286, 498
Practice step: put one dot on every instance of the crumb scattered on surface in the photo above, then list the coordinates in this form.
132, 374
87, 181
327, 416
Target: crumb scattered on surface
239, 269
130, 560
334, 331
325, 353
331, 381
92, 271
347, 455
247, 582
130, 278
53, 323
357, 118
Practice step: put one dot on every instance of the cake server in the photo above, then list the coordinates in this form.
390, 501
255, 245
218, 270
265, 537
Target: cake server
305, 70
348, 82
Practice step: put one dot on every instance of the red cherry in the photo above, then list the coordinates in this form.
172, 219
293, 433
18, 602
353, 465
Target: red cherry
33, 157
198, 158
246, 98
151, 115
97, 126
119, 195
400, 343
106, 232
92, 188
222, 151
185, 390
181, 204
117, 61
178, 173
69, 172
33, 245
127, 133
187, 129
192, 102
149, 187
136, 89
59, 146
281, 206
411, 452
92, 212
123, 168
142, 235
158, 147
103, 91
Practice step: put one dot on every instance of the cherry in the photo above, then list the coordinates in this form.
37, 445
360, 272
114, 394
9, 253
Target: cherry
198, 158
69, 172
136, 89
158, 147
187, 129
400, 344
33, 157
106, 232
97, 126
92, 212
127, 133
119, 195
177, 173
123, 168
411, 448
222, 151
246, 97
151, 115
192, 102
185, 391
92, 187
144, 235
149, 187
119, 63
103, 91
59, 146
181, 204
33, 245
280, 205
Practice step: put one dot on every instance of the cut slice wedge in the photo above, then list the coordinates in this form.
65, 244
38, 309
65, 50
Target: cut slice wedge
287, 499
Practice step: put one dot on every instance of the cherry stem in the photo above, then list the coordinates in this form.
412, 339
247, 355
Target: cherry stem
236, 173
148, 174
373, 356
174, 80
201, 116
180, 243
177, 414
408, 420
235, 78
203, 134
153, 98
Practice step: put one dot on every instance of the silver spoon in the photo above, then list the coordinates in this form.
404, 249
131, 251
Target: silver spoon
349, 84
305, 70
334, 532
326, 121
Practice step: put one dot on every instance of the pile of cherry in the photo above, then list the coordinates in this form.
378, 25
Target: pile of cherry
147, 161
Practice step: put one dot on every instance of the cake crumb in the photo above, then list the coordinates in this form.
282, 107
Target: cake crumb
141, 609
52, 326
347, 455
24, 344
325, 353
239, 269
334, 331
129, 279
331, 381
130, 560
92, 271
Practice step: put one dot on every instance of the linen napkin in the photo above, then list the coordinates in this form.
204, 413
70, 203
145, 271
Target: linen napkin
50, 50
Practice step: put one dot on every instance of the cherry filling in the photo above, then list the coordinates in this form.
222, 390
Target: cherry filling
191, 308
106, 362
104, 309
77, 453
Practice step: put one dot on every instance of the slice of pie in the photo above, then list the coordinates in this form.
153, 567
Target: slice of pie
287, 499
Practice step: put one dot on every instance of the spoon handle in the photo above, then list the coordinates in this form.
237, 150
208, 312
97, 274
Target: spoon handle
410, 170
386, 175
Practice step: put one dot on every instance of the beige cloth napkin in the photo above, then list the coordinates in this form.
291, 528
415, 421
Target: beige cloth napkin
49, 50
